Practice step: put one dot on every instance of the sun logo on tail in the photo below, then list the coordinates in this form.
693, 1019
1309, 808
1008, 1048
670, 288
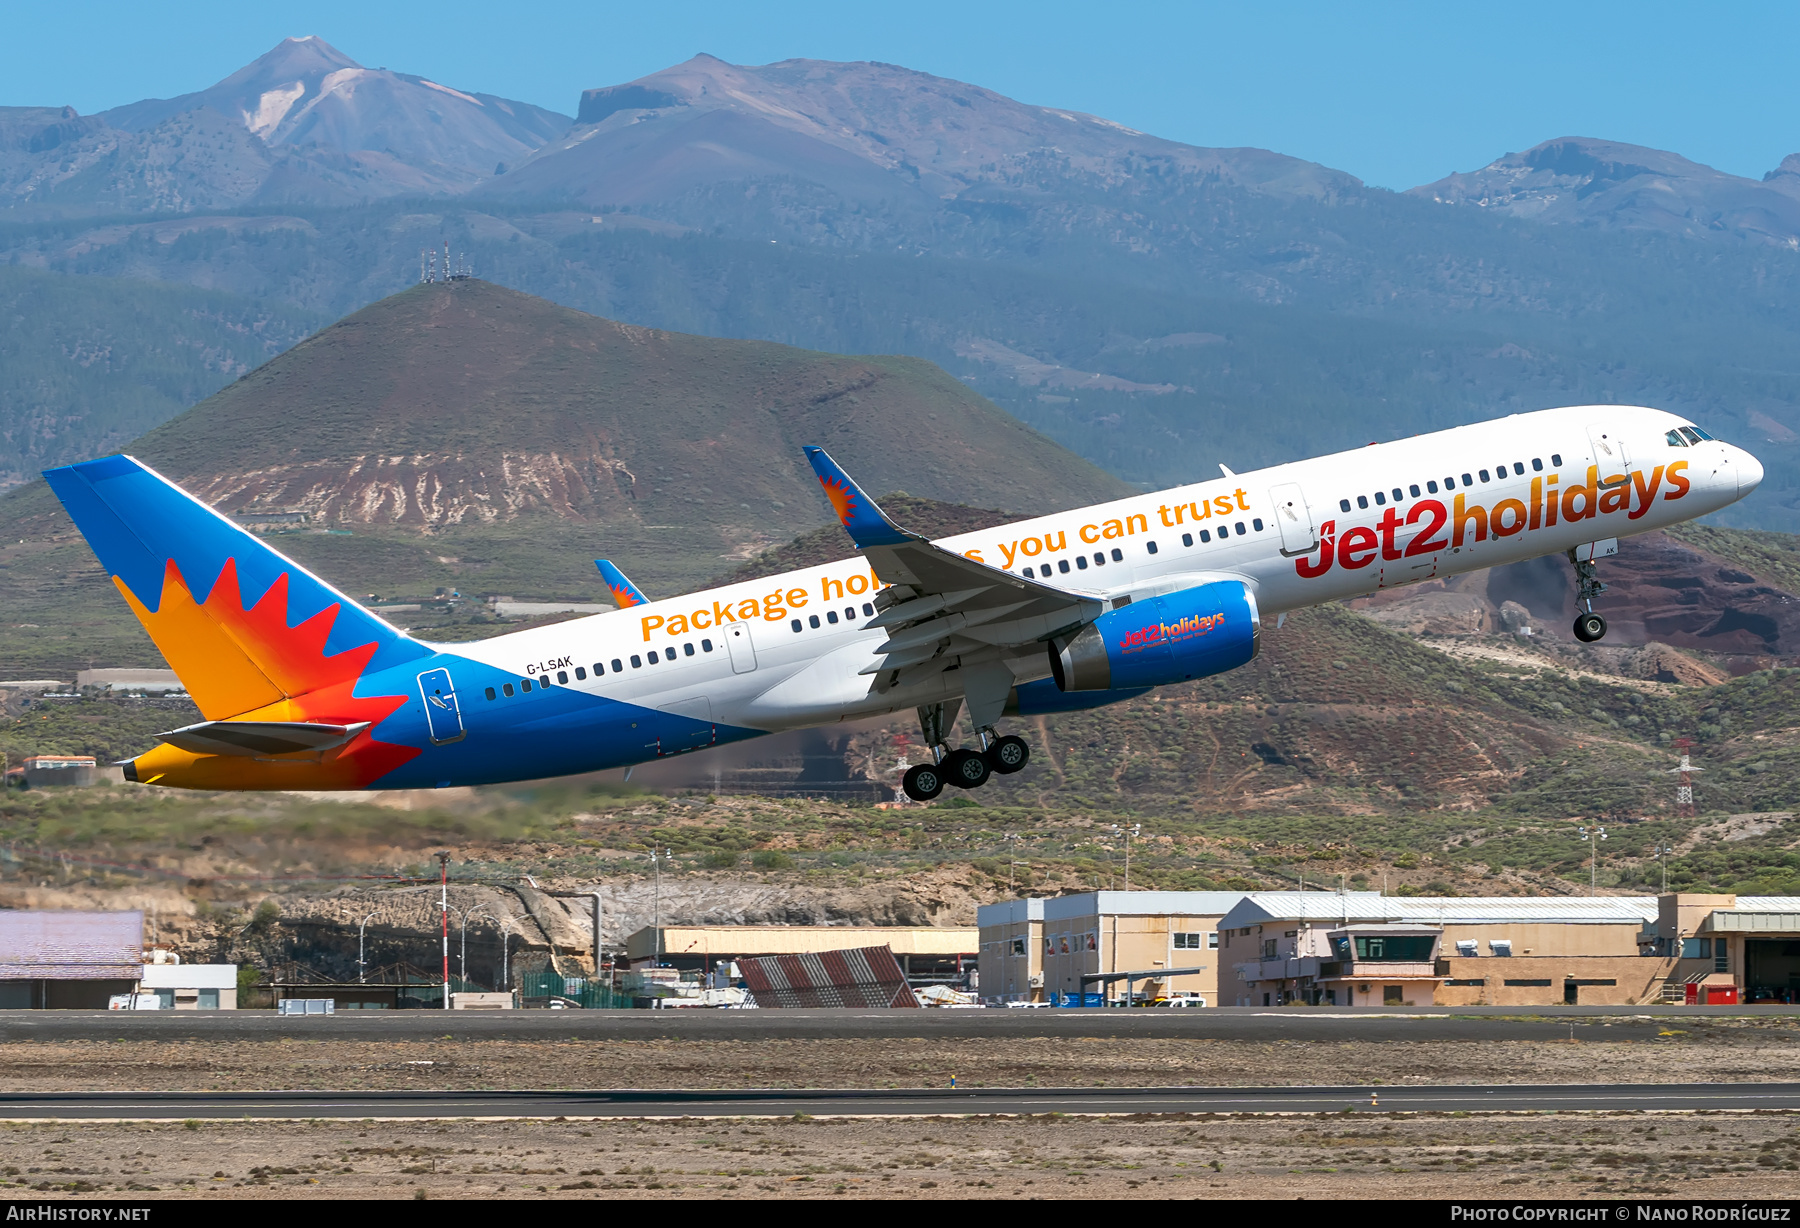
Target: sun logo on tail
842, 496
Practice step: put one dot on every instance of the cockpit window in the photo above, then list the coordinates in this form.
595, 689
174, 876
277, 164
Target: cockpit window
1698, 432
1693, 435
1675, 440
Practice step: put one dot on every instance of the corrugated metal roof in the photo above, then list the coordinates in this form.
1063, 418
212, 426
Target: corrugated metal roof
1262, 907
711, 940
1767, 903
1142, 904
862, 977
68, 946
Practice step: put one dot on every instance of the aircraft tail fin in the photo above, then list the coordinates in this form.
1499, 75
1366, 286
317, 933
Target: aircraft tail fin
625, 594
866, 523
243, 626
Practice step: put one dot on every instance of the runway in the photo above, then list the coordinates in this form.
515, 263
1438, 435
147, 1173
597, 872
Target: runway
918, 1102
1229, 1023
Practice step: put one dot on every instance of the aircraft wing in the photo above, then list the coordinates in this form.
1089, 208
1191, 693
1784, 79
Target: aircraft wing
941, 607
625, 594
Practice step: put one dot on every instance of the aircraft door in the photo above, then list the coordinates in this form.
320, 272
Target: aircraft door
1610, 455
737, 640
443, 716
1298, 533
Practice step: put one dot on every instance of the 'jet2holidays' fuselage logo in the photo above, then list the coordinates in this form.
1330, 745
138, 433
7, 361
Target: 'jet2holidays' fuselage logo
1436, 527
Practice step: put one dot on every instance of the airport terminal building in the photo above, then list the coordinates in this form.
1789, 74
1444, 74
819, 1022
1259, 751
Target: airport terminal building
1363, 949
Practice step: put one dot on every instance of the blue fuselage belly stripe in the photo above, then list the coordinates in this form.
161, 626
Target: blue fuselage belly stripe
547, 731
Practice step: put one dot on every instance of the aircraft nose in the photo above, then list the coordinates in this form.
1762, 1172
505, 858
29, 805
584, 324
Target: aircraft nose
1749, 473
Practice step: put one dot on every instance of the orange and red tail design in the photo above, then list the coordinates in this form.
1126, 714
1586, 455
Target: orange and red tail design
294, 652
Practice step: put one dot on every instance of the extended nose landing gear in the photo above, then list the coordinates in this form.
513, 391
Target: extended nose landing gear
1589, 626
964, 768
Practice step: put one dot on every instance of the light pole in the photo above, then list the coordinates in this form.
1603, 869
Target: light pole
362, 963
1593, 835
1012, 849
505, 942
462, 959
1662, 852
657, 857
1135, 830
444, 908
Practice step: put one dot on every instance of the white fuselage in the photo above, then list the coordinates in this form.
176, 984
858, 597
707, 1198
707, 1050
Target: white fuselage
786, 651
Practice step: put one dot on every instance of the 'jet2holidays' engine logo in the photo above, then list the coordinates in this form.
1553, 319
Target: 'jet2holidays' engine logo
1161, 632
1428, 519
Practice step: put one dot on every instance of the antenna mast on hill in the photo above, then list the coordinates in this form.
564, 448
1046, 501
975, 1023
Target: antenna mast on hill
1684, 780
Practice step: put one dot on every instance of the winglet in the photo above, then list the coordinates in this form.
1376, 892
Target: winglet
625, 594
866, 523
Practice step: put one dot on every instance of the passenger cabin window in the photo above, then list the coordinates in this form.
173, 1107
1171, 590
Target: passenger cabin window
869, 608
850, 614
1518, 469
507, 688
637, 662
562, 677
687, 650
524, 684
1484, 474
1431, 487
813, 620
581, 672
1205, 535
1099, 558
655, 657
1556, 459
1380, 498
1399, 495
831, 616
1029, 575
490, 693
796, 626
1150, 546
1240, 528
1362, 500
1255, 524
1537, 464
1118, 555
1469, 481
705, 645
1187, 539
1081, 562
1343, 505
1415, 490
1062, 565
618, 666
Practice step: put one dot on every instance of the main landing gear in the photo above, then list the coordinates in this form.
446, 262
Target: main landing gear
964, 768
1589, 626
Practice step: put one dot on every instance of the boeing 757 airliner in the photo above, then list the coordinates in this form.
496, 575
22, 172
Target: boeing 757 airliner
302, 688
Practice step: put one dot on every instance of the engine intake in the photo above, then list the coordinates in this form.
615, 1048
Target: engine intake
1193, 633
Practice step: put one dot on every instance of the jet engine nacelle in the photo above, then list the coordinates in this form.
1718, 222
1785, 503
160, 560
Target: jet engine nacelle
1193, 633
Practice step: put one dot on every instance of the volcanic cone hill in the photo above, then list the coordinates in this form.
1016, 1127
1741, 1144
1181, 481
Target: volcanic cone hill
462, 436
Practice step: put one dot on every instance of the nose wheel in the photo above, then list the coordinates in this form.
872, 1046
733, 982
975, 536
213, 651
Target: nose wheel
1589, 626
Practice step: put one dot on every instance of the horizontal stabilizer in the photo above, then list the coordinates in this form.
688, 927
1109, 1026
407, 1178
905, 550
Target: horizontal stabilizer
866, 523
259, 738
625, 594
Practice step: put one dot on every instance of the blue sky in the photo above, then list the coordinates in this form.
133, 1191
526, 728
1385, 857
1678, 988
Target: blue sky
1396, 93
